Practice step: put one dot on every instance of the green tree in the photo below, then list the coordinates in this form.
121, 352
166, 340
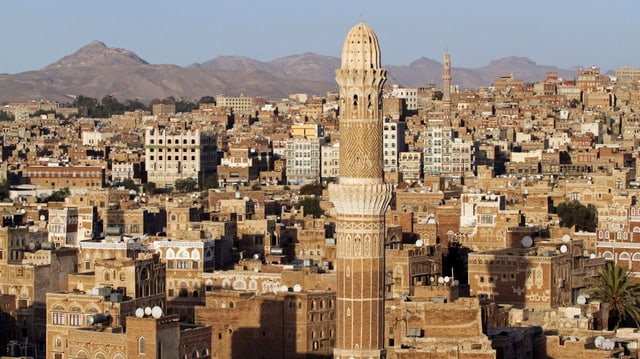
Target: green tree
149, 187
109, 105
86, 104
210, 182
58, 196
5, 116
207, 99
135, 104
311, 206
186, 185
129, 184
185, 106
574, 213
312, 188
616, 286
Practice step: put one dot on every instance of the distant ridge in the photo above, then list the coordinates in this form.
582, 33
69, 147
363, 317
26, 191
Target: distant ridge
97, 70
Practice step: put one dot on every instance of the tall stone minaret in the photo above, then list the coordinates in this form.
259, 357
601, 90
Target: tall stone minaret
446, 89
360, 199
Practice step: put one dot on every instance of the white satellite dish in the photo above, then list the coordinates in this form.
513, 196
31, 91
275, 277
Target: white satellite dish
256, 256
581, 300
598, 341
456, 282
592, 256
447, 279
297, 288
566, 238
608, 344
526, 241
139, 313
440, 280
147, 311
419, 243
563, 248
284, 288
156, 312
42, 217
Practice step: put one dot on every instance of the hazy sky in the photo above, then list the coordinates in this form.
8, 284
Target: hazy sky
564, 33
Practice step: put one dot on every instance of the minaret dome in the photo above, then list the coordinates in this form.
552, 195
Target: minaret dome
361, 49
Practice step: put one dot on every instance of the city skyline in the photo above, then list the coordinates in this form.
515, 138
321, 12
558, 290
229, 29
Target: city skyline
564, 34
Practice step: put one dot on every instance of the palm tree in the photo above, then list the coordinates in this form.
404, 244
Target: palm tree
617, 287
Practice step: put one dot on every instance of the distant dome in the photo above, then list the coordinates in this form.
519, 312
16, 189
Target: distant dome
361, 49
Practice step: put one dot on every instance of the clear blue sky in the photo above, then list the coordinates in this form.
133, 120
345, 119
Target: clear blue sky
564, 33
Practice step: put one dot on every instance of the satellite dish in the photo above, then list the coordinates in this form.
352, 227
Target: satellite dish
608, 344
284, 288
256, 256
139, 313
156, 312
598, 341
581, 300
433, 279
419, 243
440, 280
42, 217
566, 238
456, 282
147, 311
563, 248
297, 288
526, 241
447, 279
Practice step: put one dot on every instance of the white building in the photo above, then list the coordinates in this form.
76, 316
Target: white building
410, 96
330, 155
303, 160
179, 154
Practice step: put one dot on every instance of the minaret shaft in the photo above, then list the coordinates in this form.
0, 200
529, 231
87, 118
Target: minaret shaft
360, 199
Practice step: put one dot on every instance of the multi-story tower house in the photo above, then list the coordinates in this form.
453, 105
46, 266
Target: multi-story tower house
393, 142
360, 198
175, 154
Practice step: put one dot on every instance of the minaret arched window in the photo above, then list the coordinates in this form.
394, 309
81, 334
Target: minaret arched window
355, 100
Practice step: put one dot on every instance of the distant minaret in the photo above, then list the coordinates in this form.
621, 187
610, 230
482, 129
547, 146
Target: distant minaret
446, 89
360, 199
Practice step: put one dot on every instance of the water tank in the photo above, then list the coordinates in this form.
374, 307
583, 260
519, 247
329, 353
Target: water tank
98, 319
116, 297
47, 245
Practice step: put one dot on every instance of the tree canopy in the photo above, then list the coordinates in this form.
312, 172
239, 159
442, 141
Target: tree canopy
5, 116
574, 213
616, 286
311, 206
186, 185
313, 188
57, 196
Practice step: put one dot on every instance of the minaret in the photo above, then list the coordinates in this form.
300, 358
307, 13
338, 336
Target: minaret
360, 199
446, 90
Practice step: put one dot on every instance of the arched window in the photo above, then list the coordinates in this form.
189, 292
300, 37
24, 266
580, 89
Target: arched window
142, 345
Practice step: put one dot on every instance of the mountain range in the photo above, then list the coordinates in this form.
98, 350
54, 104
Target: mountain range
96, 70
